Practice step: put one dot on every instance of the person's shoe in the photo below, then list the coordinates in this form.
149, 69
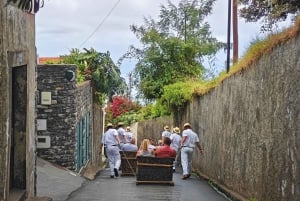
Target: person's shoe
185, 176
188, 175
116, 172
112, 176
174, 170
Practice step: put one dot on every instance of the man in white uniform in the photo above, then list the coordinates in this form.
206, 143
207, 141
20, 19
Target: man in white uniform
165, 133
188, 143
175, 144
111, 140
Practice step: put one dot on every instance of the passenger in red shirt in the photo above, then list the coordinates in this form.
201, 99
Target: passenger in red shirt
165, 151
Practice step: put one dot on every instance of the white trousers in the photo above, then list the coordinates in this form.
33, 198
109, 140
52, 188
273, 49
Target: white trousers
114, 158
186, 160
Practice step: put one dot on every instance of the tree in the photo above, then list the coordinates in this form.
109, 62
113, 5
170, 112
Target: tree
100, 69
174, 47
121, 105
271, 11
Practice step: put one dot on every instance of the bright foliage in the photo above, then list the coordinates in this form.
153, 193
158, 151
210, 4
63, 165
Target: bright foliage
121, 105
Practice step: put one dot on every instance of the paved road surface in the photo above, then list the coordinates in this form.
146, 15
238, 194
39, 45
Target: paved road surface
125, 189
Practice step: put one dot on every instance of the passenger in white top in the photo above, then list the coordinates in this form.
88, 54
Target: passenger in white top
128, 135
151, 146
188, 143
130, 146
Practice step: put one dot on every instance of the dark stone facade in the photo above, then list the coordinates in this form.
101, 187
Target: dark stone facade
69, 104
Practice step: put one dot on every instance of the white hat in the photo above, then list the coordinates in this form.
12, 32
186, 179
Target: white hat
187, 125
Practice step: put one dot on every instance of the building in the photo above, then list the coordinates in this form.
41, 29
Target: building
64, 116
17, 101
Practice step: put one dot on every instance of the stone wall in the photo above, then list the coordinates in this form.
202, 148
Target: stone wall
151, 128
17, 50
84, 108
69, 105
98, 129
250, 128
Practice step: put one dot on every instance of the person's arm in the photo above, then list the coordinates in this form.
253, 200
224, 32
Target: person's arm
199, 147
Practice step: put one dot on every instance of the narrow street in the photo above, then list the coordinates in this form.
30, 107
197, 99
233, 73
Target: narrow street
124, 188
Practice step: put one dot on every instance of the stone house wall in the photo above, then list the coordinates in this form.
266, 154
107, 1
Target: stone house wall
70, 105
17, 101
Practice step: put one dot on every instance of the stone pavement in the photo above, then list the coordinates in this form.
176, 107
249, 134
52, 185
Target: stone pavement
55, 182
59, 184
124, 188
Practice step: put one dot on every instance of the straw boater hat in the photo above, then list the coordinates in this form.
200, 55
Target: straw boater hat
120, 124
187, 125
166, 127
109, 125
128, 128
176, 130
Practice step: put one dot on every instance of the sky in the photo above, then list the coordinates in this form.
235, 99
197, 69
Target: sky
104, 26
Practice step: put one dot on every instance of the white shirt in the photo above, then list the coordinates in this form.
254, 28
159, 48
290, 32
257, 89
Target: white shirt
128, 136
176, 140
109, 137
191, 138
121, 132
166, 134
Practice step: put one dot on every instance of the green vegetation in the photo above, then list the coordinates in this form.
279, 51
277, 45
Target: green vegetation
173, 48
181, 93
101, 70
177, 95
270, 12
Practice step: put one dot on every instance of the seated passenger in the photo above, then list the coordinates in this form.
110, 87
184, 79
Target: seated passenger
165, 151
144, 149
130, 146
128, 135
151, 146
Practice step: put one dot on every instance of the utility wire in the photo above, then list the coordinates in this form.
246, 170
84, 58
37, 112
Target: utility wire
101, 23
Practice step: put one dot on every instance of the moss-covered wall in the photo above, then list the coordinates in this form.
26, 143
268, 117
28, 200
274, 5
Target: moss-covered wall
250, 127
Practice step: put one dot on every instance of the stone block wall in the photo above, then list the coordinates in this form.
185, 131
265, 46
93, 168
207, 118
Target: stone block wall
69, 103
250, 128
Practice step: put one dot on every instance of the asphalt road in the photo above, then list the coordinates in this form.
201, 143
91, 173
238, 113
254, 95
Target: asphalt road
124, 188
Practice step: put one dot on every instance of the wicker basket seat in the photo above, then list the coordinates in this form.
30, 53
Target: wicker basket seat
153, 170
128, 163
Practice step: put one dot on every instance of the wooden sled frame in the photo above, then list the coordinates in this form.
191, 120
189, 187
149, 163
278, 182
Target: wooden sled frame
151, 170
128, 163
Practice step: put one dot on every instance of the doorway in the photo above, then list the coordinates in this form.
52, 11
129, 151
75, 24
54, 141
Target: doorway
17, 177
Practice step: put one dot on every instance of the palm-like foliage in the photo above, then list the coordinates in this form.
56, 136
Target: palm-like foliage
100, 69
